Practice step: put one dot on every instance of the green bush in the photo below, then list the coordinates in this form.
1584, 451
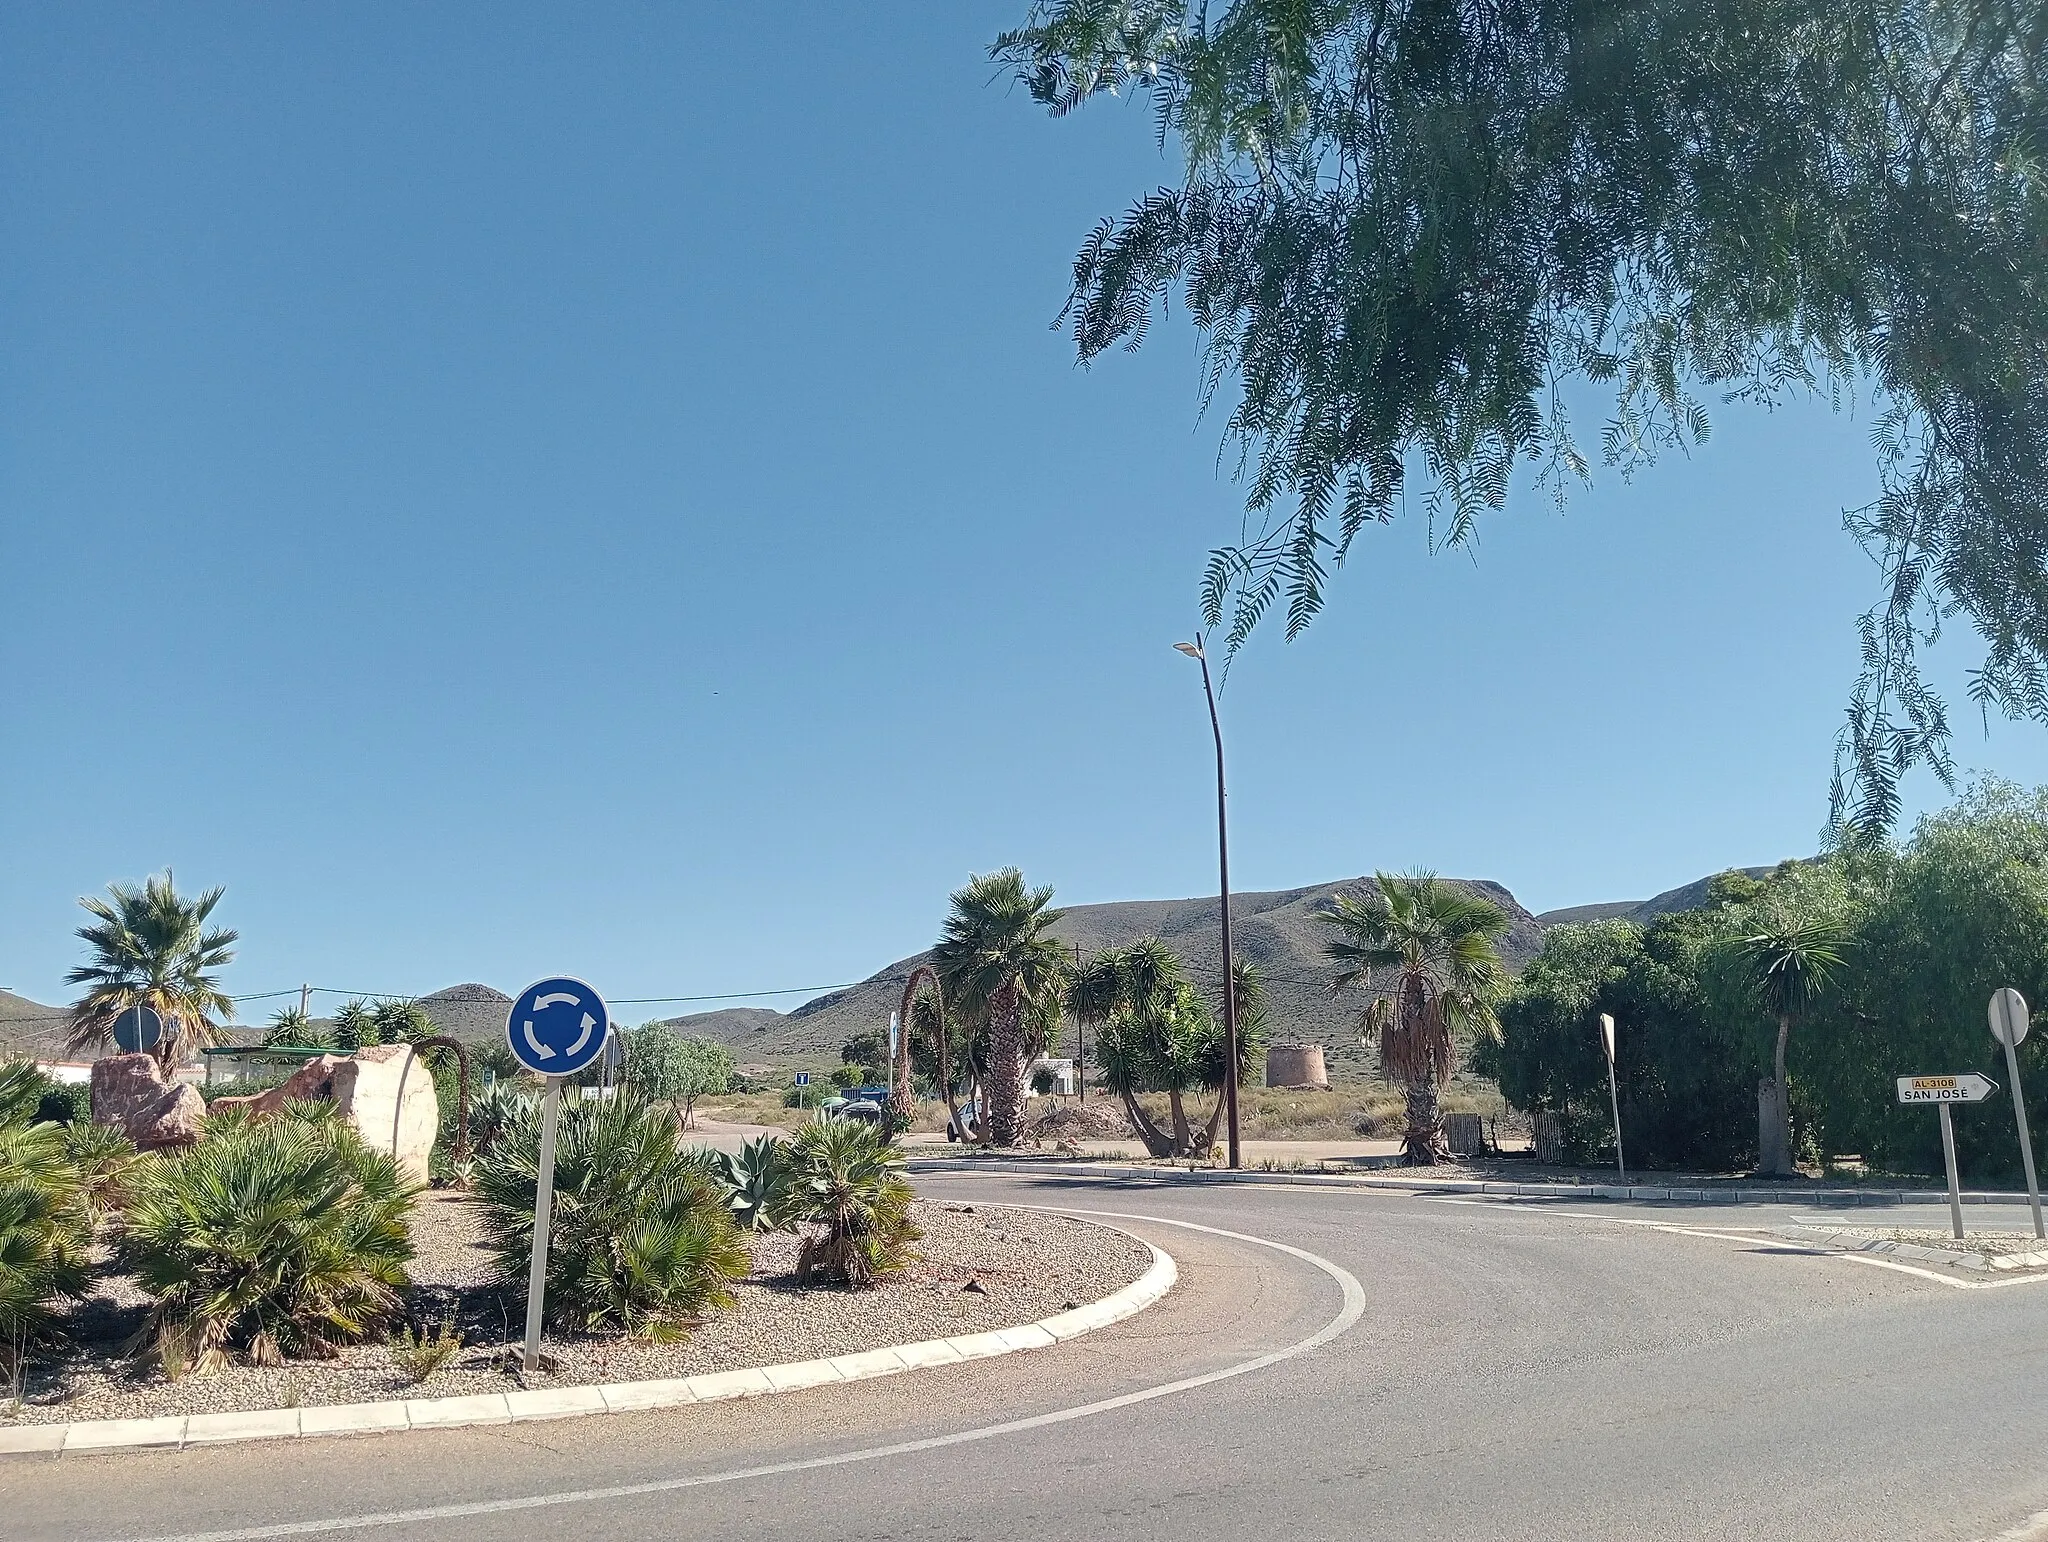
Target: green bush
756, 1181
1686, 1060
66, 1103
642, 1239
45, 1229
664, 1068
277, 1237
847, 1185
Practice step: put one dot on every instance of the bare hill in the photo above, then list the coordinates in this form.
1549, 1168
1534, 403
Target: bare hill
1278, 931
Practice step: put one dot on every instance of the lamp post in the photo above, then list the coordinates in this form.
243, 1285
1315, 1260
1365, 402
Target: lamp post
1194, 651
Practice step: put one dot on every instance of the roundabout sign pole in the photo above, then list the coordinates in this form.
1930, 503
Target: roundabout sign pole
556, 1027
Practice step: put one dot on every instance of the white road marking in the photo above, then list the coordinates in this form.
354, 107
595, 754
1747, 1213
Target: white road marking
1782, 1244
1352, 1309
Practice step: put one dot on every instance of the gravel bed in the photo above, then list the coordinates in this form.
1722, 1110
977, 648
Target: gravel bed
982, 1268
1990, 1244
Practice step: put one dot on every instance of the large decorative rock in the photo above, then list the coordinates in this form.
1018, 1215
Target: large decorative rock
311, 1082
130, 1093
385, 1091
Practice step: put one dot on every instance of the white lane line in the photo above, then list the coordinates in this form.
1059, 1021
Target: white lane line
1779, 1243
1352, 1309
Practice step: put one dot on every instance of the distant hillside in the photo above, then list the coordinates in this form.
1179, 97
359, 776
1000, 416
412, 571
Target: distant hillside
1686, 897
30, 1028
1278, 931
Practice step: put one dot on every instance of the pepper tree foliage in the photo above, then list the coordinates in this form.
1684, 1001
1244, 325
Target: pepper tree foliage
1408, 228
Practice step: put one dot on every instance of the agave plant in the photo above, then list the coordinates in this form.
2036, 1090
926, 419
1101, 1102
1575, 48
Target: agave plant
271, 1238
756, 1180
642, 1239
44, 1233
847, 1184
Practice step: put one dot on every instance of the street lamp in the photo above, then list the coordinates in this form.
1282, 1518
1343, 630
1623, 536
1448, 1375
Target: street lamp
1194, 651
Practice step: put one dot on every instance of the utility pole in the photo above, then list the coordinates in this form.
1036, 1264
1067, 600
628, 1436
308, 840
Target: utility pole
305, 1002
1080, 1044
1194, 651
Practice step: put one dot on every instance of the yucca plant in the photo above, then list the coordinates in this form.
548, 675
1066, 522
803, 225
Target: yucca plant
847, 1184
44, 1234
756, 1180
642, 1239
272, 1238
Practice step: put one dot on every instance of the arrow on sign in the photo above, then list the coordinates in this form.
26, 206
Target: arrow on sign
1969, 1087
582, 1038
553, 999
540, 1050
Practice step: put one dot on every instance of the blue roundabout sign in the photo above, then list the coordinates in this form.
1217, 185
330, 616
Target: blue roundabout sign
557, 1027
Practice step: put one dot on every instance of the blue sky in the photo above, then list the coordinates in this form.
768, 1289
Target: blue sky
509, 490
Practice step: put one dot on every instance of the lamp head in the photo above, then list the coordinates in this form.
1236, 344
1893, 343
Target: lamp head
1192, 650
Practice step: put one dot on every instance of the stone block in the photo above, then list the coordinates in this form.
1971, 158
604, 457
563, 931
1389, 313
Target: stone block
130, 1093
387, 1093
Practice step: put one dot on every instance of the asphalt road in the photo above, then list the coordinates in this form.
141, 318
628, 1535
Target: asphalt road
1540, 1371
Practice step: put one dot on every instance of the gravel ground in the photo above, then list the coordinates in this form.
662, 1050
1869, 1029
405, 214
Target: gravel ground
1991, 1244
982, 1268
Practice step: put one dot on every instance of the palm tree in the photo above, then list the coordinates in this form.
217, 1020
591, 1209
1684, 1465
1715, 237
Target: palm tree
151, 948
1788, 966
997, 962
1435, 952
1154, 1033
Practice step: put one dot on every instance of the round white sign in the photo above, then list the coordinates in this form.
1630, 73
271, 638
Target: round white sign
2009, 1021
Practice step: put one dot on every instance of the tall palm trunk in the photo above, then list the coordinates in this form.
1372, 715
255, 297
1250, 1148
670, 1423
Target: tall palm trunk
1183, 1137
1783, 1164
1425, 1144
1005, 1066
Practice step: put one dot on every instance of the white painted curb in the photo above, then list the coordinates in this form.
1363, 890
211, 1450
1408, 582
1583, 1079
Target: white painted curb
441, 1413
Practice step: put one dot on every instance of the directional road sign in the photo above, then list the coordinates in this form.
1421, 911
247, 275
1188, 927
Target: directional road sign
138, 1029
557, 1027
1966, 1088
803, 1078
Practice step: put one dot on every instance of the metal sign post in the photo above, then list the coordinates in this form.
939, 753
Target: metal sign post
2009, 1023
555, 1027
1613, 1091
1942, 1091
803, 1089
543, 1215
1948, 1155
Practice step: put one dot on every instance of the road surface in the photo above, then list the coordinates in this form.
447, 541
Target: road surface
1529, 1371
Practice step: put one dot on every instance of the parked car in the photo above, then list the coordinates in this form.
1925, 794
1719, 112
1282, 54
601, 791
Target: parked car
968, 1127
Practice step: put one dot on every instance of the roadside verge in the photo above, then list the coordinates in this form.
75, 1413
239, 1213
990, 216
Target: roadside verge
185, 1431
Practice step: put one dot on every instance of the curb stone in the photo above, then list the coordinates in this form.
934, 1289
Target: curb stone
1165, 1176
184, 1431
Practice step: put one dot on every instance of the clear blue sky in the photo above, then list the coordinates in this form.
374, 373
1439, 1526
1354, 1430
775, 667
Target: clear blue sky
516, 489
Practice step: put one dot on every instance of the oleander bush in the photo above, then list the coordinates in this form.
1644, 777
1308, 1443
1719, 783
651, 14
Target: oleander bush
268, 1239
846, 1185
642, 1239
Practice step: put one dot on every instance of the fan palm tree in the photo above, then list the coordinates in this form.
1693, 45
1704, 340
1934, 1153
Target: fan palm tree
1788, 966
998, 963
1434, 952
151, 947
